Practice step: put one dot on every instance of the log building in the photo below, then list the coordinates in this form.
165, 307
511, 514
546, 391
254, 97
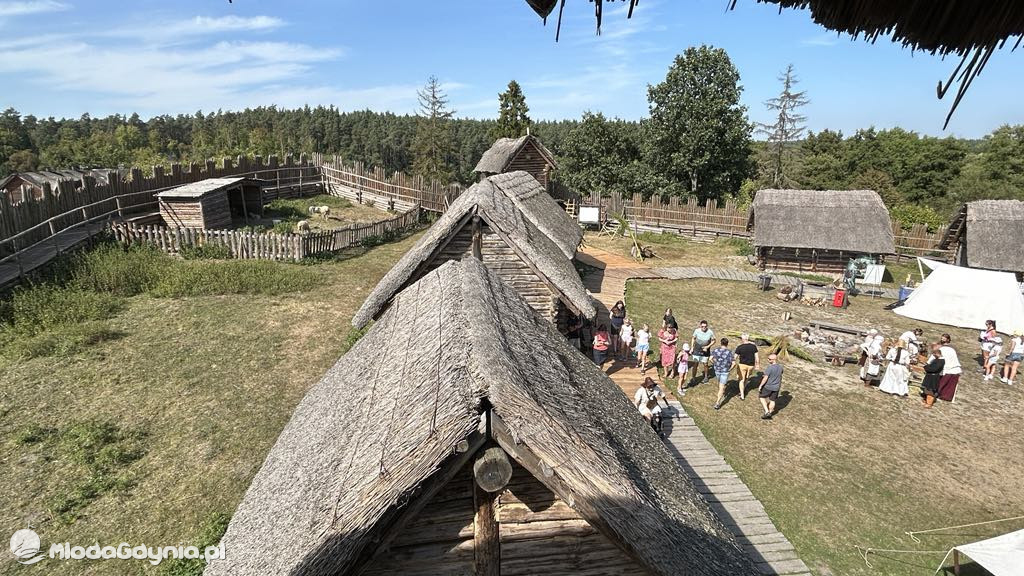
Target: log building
211, 203
988, 234
462, 435
22, 186
510, 223
525, 153
819, 230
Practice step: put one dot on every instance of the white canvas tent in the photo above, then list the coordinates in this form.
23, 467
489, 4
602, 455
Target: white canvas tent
1002, 555
966, 297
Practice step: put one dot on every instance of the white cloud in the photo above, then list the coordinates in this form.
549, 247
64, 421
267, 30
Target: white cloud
826, 39
8, 9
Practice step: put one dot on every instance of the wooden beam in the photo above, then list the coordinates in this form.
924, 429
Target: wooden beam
486, 533
478, 239
492, 470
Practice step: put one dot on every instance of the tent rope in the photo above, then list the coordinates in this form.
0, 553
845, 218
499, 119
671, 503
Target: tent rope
916, 539
865, 551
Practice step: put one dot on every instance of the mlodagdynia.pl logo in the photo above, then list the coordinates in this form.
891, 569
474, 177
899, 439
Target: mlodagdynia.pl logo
25, 546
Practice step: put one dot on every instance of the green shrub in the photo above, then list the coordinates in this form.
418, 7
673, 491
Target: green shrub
742, 245
111, 269
909, 214
283, 227
206, 252
206, 278
38, 308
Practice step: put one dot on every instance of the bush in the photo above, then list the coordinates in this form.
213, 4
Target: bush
203, 278
909, 214
111, 269
206, 252
742, 245
38, 308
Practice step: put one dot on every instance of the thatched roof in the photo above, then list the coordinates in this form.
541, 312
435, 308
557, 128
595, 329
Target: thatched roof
848, 220
498, 157
389, 417
541, 209
497, 201
995, 235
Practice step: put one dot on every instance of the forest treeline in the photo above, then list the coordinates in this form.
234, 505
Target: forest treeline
698, 140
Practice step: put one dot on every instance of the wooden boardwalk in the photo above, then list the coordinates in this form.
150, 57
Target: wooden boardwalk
41, 254
713, 477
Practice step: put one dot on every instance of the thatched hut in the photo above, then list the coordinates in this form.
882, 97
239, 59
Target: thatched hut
525, 153
211, 203
21, 186
510, 223
819, 230
463, 435
988, 234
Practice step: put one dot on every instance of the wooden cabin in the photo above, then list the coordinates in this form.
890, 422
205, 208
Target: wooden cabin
819, 230
988, 234
462, 435
525, 153
510, 223
211, 203
22, 186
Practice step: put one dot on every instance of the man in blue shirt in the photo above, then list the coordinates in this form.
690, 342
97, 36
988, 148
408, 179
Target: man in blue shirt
723, 359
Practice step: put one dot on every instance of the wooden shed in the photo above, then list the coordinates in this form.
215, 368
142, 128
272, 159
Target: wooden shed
462, 435
819, 230
510, 223
211, 203
988, 234
22, 186
510, 154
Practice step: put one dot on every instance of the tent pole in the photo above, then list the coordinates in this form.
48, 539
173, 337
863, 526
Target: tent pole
920, 269
956, 562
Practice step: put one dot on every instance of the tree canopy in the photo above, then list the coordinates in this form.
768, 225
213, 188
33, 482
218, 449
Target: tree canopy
513, 119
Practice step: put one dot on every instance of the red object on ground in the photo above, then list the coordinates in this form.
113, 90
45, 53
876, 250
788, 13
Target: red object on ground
839, 299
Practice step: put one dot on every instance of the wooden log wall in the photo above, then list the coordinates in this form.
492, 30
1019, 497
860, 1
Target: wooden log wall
132, 192
262, 246
806, 259
532, 161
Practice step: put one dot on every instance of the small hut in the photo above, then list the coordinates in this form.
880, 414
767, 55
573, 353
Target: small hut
510, 223
211, 203
525, 153
463, 435
819, 230
988, 234
22, 186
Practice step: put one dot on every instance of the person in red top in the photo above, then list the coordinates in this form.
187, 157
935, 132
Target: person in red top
601, 342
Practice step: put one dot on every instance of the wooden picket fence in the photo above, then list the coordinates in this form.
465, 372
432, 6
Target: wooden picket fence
263, 245
918, 241
397, 191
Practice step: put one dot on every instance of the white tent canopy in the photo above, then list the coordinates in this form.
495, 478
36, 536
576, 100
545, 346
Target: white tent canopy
1002, 555
966, 297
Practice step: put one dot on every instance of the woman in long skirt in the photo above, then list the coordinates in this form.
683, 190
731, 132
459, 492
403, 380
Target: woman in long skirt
897, 375
932, 374
668, 338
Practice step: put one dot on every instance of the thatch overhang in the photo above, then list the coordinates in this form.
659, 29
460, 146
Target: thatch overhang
400, 414
504, 150
841, 220
493, 200
994, 234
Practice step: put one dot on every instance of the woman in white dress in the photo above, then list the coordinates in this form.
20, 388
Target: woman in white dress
897, 375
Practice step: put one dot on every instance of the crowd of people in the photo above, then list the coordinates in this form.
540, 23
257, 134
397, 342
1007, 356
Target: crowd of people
938, 360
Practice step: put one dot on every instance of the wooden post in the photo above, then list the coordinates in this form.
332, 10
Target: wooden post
956, 562
486, 535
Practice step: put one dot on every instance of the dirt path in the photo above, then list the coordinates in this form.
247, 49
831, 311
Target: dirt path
713, 477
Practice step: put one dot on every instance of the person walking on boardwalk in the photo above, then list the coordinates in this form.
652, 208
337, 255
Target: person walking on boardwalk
601, 344
646, 400
626, 340
616, 317
771, 383
700, 344
643, 346
748, 361
723, 359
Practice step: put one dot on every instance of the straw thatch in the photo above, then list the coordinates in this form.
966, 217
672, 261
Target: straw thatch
389, 417
541, 209
846, 220
497, 200
995, 235
500, 155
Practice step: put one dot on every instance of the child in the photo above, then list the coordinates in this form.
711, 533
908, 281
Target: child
993, 357
682, 365
643, 344
626, 336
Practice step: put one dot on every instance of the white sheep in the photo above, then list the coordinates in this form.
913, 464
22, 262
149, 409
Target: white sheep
302, 226
323, 211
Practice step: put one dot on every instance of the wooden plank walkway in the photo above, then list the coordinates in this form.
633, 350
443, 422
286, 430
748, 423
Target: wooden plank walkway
41, 254
713, 477
692, 272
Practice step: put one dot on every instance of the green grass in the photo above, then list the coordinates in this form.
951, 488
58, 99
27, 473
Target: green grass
295, 209
154, 435
844, 466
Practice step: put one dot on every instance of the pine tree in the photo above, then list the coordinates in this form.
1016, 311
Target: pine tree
788, 126
432, 148
513, 121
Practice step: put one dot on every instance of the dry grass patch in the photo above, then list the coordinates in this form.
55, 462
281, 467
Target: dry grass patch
842, 465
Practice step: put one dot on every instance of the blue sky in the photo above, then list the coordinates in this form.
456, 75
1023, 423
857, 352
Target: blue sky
67, 57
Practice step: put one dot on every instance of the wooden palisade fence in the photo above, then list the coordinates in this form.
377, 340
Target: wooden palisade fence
395, 192
262, 245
